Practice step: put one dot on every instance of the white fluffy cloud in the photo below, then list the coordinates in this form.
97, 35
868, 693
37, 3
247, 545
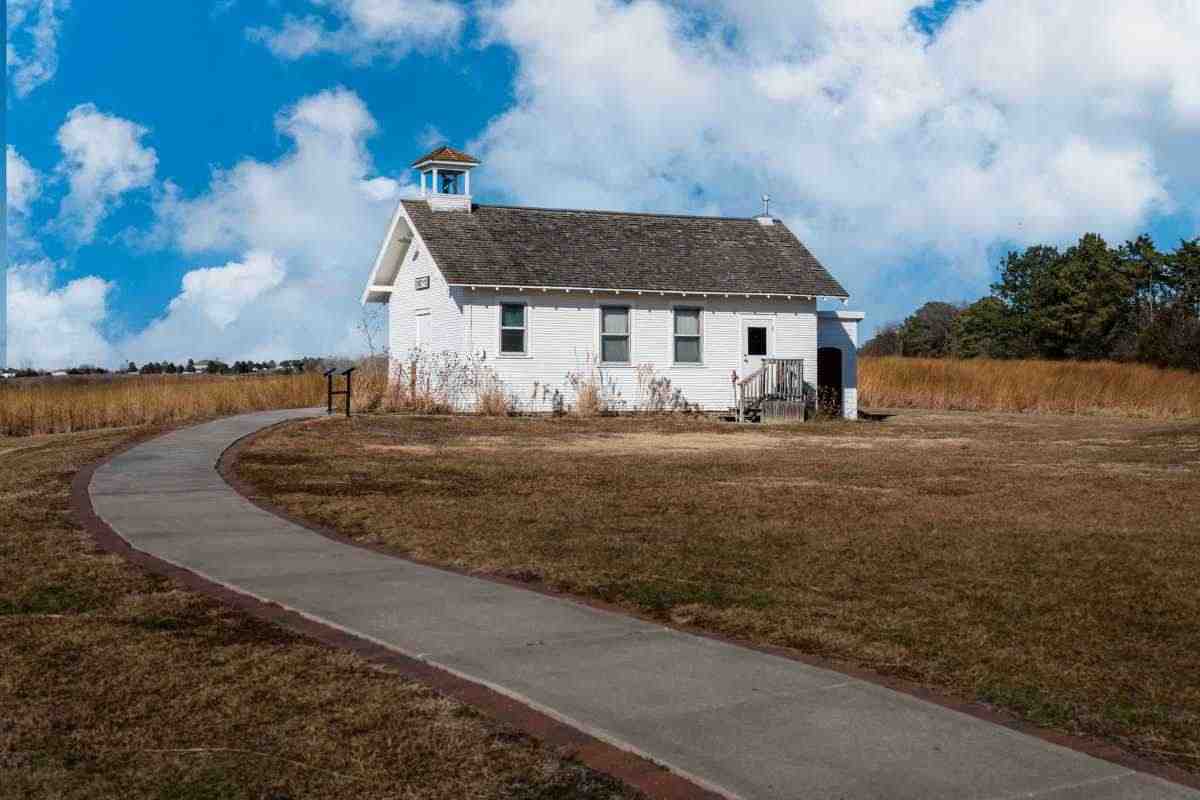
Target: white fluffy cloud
308, 225
55, 327
313, 204
218, 306
32, 46
883, 147
221, 294
23, 185
103, 158
1018, 121
366, 29
305, 228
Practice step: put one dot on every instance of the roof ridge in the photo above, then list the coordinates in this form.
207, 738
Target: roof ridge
620, 213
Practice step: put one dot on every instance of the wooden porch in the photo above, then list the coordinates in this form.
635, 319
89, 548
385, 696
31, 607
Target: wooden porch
774, 393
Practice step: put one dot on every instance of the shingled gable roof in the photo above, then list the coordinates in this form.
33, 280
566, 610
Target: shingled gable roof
446, 154
537, 247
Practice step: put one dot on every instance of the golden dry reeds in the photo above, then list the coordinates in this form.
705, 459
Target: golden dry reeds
62, 405
1059, 387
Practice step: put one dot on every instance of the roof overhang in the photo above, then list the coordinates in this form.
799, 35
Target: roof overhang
449, 165
389, 259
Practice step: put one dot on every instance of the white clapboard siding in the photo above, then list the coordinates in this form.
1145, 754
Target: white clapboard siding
564, 333
564, 336
407, 302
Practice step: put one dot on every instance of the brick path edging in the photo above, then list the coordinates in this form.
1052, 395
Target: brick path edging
637, 772
652, 780
1097, 748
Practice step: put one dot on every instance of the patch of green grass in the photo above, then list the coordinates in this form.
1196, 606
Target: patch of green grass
209, 784
51, 599
660, 597
1030, 702
569, 784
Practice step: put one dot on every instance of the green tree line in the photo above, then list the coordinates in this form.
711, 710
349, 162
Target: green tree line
1090, 301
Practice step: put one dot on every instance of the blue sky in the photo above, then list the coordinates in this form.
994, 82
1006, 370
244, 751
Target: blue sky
212, 178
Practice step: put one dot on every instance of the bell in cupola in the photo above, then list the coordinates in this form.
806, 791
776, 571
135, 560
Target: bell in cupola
446, 178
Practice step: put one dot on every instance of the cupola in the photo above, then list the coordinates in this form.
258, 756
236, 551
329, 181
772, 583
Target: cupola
446, 178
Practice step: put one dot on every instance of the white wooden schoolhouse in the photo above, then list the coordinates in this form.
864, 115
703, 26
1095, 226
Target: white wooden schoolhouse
725, 308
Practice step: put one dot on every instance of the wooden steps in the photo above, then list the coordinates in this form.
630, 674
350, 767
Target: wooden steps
774, 392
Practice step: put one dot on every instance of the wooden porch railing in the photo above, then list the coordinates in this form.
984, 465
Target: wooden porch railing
779, 379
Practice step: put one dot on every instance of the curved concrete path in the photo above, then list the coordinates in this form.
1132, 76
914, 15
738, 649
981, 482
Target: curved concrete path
744, 723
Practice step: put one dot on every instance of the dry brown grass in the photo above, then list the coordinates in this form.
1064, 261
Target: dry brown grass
117, 684
64, 405
1062, 387
589, 401
1046, 564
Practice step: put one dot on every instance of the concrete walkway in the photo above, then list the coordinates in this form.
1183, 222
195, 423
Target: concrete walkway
738, 721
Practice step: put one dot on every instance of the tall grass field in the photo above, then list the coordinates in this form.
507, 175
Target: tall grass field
62, 405
1058, 387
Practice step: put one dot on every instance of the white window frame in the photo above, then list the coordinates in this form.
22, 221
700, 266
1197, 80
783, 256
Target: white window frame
600, 334
526, 340
699, 309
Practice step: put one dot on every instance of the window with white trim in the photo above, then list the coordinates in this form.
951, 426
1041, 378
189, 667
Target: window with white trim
512, 328
614, 334
688, 349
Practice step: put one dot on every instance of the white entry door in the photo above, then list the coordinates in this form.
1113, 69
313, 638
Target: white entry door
757, 336
423, 328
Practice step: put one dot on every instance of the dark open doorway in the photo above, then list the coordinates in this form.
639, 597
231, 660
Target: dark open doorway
829, 380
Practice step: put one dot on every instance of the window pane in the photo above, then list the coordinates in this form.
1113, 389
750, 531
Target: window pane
614, 320
615, 348
687, 321
512, 316
687, 350
756, 341
512, 341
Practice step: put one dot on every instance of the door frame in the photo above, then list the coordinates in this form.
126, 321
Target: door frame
418, 314
755, 321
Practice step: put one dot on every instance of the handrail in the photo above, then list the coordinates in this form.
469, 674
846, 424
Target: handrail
750, 377
779, 379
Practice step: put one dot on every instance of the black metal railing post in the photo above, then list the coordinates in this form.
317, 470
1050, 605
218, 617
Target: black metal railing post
349, 373
329, 388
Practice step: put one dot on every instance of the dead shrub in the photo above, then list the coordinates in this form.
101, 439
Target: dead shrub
444, 382
492, 398
589, 402
370, 384
655, 392
596, 393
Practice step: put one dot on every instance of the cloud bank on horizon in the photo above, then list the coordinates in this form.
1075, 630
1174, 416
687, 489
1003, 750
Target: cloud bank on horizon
904, 157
